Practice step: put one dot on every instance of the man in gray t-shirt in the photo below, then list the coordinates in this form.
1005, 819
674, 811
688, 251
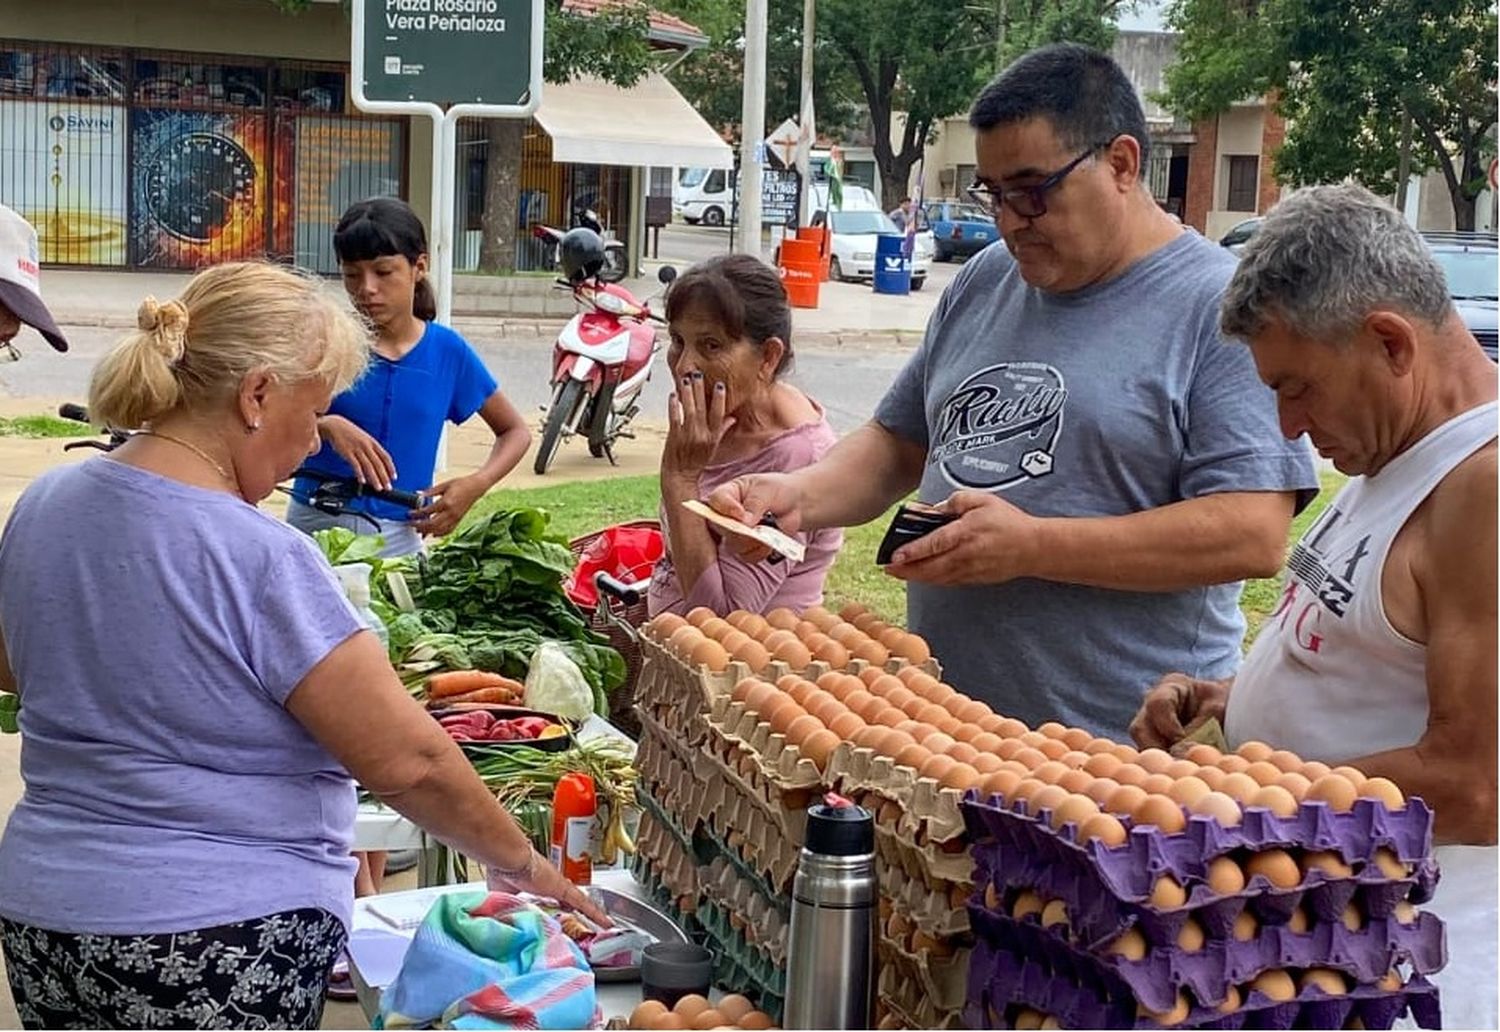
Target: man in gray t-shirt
1116, 466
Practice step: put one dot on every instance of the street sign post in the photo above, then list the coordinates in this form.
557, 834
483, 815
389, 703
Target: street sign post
446, 60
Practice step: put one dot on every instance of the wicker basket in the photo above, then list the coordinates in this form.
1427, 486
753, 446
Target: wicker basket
622, 699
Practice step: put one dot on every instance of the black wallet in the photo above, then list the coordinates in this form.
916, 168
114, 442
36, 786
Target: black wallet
909, 524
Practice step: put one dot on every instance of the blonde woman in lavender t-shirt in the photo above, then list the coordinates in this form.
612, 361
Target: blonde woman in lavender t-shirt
732, 414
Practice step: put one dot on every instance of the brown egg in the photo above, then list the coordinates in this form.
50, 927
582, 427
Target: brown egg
1233, 763
864, 704
1104, 827
845, 634
986, 763
709, 653
797, 687
1076, 781
1029, 757
709, 1019
1102, 765
1160, 811
1246, 927
826, 708
1240, 787
914, 649
890, 716
1050, 771
1099, 789
1154, 761
809, 632
1213, 777
1075, 809
777, 638
819, 747
1123, 800
733, 640
1254, 751
1220, 807
1157, 784
1276, 866
936, 766
1353, 775
1186, 791
793, 653
1033, 738
753, 654
1385, 791
1330, 981
1176, 1016
830, 652
845, 725
1294, 783
1224, 877
893, 743
1297, 922
670, 1022
1285, 760
1390, 865
684, 640
871, 652
646, 1013
1232, 1000
1026, 904
892, 638
960, 776
1191, 938
1203, 755
1264, 772
691, 1005
940, 693
783, 619
717, 629
963, 752
1130, 944
820, 616
1052, 749
869, 737
1008, 727
1405, 913
1167, 893
742, 688
700, 616
780, 715
1276, 799
1129, 774
1055, 914
760, 696
852, 611
734, 1007
802, 726
912, 756
1076, 738
1277, 985
1352, 918
1179, 769
664, 625
1335, 790
916, 729
1052, 729
987, 742
1049, 797
1001, 783
866, 620
938, 742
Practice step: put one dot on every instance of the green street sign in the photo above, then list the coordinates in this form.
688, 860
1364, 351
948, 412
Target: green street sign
448, 52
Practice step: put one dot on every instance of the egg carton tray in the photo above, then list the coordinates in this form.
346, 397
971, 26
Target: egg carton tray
904, 997
1024, 851
674, 801
787, 808
733, 975
932, 864
1366, 956
753, 957
777, 760
675, 864
749, 859
1080, 993
657, 740
943, 979
683, 895
660, 897
1097, 917
718, 851
939, 913
767, 851
930, 811
1129, 870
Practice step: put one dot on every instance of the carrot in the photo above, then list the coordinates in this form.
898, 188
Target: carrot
458, 682
488, 696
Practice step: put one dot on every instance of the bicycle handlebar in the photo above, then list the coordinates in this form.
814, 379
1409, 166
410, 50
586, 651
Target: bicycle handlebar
75, 413
629, 594
403, 499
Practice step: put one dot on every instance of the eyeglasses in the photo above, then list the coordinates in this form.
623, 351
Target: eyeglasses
1029, 202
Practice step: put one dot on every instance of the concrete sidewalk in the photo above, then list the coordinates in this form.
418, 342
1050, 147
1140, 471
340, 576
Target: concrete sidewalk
849, 314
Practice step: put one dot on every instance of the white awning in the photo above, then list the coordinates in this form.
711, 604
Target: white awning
649, 124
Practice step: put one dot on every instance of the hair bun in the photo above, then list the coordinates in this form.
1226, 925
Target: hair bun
167, 324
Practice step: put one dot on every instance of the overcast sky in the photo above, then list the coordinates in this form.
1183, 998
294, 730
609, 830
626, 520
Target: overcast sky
1148, 17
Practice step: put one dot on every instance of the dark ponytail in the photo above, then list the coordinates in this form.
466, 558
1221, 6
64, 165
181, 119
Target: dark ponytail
383, 227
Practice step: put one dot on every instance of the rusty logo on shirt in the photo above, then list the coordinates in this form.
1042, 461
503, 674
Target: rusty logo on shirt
1001, 426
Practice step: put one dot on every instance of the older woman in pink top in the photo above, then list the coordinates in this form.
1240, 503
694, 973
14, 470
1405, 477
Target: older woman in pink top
732, 414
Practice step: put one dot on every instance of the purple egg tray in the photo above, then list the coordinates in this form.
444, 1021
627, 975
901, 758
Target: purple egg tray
1081, 991
1366, 956
1106, 889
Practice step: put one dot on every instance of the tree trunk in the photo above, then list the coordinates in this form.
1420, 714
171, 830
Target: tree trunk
502, 194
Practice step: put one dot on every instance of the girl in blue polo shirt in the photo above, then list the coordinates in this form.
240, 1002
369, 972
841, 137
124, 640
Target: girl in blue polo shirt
385, 430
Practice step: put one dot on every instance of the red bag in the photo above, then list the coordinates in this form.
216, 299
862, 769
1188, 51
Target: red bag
628, 553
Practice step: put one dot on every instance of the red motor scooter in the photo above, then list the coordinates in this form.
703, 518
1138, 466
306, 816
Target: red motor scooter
600, 363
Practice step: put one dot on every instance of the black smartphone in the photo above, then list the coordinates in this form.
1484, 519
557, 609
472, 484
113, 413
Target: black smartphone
910, 523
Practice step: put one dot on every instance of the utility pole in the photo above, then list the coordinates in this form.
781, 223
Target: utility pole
1403, 163
752, 125
1001, 12
806, 118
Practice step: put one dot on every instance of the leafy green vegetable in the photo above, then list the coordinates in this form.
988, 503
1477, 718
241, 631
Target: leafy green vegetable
342, 545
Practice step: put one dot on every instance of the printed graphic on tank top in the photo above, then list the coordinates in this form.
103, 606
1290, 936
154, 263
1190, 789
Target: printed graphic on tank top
1328, 653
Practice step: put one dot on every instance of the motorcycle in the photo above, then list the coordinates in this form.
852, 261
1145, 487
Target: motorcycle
615, 263
601, 362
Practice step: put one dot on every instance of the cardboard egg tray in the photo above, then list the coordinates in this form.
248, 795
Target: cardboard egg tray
1365, 956
778, 761
931, 812
932, 911
768, 974
930, 863
673, 866
1106, 889
905, 999
1081, 992
942, 979
1131, 869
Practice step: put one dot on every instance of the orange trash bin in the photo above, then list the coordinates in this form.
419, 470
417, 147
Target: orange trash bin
799, 272
824, 239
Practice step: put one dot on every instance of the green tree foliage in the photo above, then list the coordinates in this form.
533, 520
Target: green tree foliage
1346, 76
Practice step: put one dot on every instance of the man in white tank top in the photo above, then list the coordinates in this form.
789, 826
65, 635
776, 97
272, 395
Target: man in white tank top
1382, 651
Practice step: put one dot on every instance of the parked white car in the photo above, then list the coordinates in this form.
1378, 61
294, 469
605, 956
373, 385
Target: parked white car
854, 237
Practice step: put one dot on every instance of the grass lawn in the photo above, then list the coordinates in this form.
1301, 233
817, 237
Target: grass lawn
42, 426
580, 508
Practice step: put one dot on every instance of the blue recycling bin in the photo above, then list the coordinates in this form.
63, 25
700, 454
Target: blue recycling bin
892, 264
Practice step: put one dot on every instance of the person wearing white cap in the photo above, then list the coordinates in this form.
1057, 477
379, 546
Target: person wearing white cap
21, 287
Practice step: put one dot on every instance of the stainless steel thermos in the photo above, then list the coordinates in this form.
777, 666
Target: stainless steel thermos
831, 955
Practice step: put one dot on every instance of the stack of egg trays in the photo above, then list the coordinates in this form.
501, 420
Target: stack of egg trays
1020, 963
1107, 890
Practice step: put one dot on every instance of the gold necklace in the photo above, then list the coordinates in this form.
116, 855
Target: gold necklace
192, 448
